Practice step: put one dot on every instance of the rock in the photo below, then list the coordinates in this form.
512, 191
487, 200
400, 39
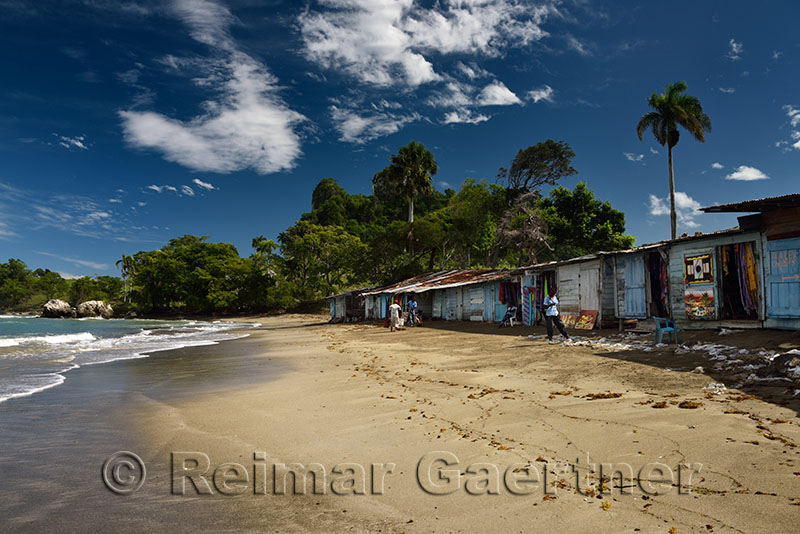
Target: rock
698, 370
58, 308
130, 315
95, 308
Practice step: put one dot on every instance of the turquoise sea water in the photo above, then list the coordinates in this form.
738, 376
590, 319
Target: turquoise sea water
35, 353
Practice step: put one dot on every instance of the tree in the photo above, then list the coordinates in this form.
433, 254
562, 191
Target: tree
320, 259
409, 172
670, 110
579, 224
127, 267
521, 230
539, 164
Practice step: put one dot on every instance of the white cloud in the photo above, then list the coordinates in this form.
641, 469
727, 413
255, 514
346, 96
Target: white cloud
247, 125
156, 188
72, 142
204, 185
544, 92
393, 41
686, 208
360, 128
186, 190
472, 71
716, 165
497, 94
454, 95
793, 114
776, 54
464, 116
581, 48
75, 261
633, 157
653, 150
728, 90
5, 231
735, 51
746, 174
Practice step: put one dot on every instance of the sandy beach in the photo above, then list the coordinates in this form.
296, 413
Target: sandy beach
518, 416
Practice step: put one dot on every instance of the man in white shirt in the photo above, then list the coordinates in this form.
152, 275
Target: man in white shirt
394, 316
550, 306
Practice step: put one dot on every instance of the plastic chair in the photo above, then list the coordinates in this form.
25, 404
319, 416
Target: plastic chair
663, 326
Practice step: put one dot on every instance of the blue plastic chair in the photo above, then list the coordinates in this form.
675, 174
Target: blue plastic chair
665, 326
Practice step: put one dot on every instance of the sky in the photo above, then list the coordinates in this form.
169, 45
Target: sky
125, 124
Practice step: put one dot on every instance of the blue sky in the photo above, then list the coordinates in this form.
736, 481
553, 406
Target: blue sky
124, 124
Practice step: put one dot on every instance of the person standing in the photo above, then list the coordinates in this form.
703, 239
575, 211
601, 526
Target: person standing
394, 316
412, 311
550, 306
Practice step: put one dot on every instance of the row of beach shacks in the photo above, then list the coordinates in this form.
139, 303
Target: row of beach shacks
744, 277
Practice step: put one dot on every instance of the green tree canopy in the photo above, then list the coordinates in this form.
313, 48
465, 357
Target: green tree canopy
580, 224
541, 164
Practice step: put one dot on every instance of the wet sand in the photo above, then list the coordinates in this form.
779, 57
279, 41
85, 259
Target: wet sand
297, 391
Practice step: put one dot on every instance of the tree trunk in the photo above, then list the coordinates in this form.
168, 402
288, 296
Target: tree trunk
411, 230
673, 215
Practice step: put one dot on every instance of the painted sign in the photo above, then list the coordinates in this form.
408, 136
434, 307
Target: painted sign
700, 304
584, 321
698, 269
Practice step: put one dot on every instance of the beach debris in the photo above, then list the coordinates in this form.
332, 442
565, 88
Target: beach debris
716, 388
606, 506
689, 405
660, 404
596, 396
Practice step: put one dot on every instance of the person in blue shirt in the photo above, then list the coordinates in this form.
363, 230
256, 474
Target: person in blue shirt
412, 311
550, 306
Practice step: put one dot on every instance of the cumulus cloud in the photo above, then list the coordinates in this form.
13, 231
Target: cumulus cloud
633, 157
793, 116
686, 208
734, 51
355, 127
544, 92
497, 94
247, 125
716, 165
203, 185
186, 190
746, 174
393, 41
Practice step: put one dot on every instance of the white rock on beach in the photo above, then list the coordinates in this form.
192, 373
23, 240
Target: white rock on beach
58, 308
95, 308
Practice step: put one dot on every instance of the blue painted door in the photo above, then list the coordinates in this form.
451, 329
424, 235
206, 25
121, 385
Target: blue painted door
635, 294
499, 307
783, 282
488, 299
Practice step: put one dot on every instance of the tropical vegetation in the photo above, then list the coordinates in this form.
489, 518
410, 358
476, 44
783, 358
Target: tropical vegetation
405, 227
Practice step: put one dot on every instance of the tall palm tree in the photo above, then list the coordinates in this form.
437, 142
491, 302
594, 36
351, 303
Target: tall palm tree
410, 172
127, 267
670, 110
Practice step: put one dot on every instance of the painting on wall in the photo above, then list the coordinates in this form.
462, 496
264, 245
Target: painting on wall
700, 304
698, 269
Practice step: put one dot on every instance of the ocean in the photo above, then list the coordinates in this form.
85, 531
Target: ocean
37, 353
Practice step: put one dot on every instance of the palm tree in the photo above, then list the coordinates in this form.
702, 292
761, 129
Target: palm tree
127, 267
410, 172
673, 109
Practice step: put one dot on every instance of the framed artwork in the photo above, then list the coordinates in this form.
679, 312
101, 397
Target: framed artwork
700, 304
698, 269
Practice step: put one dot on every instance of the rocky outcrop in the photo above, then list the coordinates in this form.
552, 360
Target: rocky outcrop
58, 308
95, 308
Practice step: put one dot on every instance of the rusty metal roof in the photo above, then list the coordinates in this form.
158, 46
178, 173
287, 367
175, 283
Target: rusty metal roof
445, 279
761, 204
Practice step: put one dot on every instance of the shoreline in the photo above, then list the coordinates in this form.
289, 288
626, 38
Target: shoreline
303, 391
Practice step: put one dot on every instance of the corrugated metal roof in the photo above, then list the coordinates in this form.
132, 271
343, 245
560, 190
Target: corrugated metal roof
761, 204
445, 279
